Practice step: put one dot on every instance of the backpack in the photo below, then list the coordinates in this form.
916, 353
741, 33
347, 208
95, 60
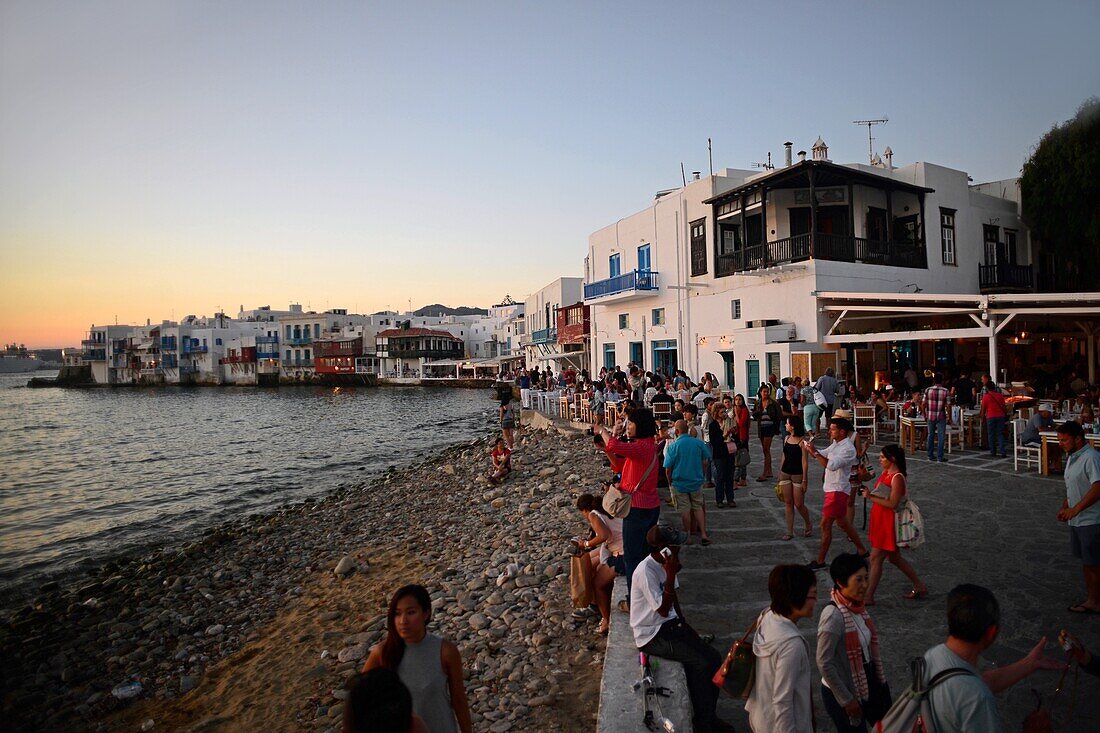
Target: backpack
908, 525
819, 398
912, 712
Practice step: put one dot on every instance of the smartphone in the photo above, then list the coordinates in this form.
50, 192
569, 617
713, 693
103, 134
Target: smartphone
666, 552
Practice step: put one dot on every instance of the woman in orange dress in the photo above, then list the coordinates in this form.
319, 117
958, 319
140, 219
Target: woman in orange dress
885, 497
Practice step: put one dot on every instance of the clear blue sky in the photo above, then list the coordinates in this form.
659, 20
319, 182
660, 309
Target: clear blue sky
162, 158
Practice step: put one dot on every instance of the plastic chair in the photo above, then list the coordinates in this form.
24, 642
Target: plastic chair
1030, 453
955, 429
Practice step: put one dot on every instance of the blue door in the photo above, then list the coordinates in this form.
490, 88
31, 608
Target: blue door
727, 369
752, 376
644, 262
664, 356
609, 356
613, 265
637, 354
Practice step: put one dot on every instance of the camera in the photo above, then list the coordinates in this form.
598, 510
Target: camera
666, 552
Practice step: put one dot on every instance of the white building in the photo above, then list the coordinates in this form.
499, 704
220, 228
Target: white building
721, 275
540, 342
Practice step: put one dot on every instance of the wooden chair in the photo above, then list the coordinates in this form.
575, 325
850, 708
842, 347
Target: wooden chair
864, 421
662, 410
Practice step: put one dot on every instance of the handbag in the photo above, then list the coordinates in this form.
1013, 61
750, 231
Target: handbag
908, 525
742, 458
779, 493
738, 670
616, 502
820, 399
582, 584
879, 700
731, 447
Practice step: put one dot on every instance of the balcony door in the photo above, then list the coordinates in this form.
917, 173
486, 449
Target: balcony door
637, 354
644, 260
613, 265
877, 227
993, 248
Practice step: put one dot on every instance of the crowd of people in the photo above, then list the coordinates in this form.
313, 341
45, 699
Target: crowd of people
853, 688
413, 679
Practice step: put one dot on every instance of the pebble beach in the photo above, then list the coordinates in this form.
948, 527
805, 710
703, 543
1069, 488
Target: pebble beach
258, 624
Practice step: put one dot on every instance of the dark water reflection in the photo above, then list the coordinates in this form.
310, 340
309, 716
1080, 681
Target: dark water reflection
90, 473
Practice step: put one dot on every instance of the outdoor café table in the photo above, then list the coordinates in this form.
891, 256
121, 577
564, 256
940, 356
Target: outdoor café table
910, 426
972, 426
1052, 452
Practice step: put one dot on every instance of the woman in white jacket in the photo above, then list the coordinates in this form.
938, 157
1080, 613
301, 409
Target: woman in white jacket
780, 701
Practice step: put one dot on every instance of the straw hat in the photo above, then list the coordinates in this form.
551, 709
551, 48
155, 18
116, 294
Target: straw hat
1046, 407
846, 414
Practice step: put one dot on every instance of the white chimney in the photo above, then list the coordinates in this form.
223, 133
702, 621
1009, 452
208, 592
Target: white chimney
888, 154
788, 146
801, 156
820, 149
695, 175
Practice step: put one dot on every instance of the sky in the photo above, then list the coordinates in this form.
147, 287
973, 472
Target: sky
159, 159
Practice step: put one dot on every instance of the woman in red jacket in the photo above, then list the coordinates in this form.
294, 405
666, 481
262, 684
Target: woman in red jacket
639, 479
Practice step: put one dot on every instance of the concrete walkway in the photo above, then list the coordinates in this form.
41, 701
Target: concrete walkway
986, 525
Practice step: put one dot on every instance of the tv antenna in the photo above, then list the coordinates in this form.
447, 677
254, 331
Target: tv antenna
870, 140
766, 166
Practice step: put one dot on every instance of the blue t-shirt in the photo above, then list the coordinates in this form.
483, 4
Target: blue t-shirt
962, 704
685, 457
1082, 471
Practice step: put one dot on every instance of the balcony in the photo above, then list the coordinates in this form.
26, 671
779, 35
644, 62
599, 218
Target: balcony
629, 286
195, 348
1004, 278
299, 341
421, 354
300, 364
821, 246
545, 336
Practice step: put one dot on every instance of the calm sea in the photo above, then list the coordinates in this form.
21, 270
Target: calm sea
86, 474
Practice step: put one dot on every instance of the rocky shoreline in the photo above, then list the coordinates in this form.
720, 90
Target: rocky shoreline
261, 620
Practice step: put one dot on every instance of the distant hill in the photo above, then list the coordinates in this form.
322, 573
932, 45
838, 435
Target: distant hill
441, 310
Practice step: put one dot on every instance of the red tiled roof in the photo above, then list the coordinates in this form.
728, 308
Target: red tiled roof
413, 332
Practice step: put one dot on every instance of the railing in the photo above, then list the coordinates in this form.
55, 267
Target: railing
1004, 275
188, 369
168, 342
629, 282
267, 340
301, 364
544, 336
834, 247
299, 341
169, 361
94, 354
267, 354
1062, 281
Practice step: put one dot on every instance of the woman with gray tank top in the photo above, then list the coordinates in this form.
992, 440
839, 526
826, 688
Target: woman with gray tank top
430, 666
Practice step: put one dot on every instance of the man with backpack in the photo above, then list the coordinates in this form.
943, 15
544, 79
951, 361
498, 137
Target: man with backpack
954, 697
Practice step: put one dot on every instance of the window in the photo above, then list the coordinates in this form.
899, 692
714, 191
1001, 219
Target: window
947, 236
613, 265
658, 316
574, 316
698, 247
217, 342
1010, 245
288, 335
735, 309
731, 239
991, 236
624, 321
645, 261
288, 351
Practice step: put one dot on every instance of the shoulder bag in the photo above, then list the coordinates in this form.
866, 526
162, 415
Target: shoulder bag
738, 670
616, 502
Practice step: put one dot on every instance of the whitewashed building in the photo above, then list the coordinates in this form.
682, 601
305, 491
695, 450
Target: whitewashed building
722, 275
540, 312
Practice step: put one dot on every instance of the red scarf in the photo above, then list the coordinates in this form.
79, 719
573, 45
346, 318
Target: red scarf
848, 608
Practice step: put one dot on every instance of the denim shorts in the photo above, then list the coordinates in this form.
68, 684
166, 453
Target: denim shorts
1084, 541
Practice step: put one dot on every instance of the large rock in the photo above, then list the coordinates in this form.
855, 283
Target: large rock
346, 566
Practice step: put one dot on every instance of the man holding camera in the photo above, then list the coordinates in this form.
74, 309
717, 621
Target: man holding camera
660, 630
838, 459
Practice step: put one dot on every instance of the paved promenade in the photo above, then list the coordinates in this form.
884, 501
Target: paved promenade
985, 524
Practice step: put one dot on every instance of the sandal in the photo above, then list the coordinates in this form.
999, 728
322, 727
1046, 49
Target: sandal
705, 541
808, 533
914, 594
603, 630
786, 537
1083, 609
